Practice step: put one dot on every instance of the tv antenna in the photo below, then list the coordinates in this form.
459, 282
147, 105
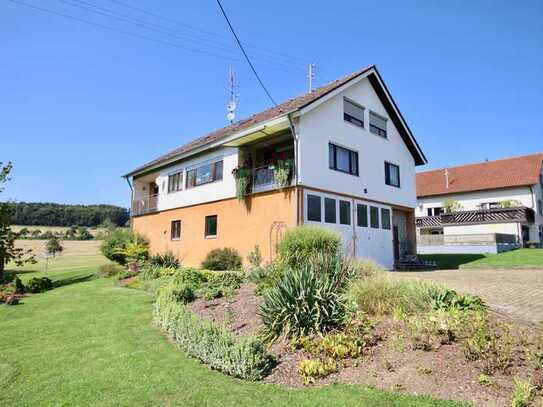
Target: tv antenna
311, 76
232, 103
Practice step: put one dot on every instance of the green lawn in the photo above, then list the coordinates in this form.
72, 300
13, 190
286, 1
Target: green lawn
521, 258
90, 342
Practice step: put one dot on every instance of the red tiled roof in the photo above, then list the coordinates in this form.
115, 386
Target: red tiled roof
505, 173
274, 112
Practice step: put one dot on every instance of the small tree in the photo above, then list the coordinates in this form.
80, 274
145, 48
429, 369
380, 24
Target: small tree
451, 205
53, 246
8, 251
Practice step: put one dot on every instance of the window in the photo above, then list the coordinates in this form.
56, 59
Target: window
175, 230
343, 159
353, 113
429, 211
314, 208
175, 182
211, 226
204, 174
345, 212
374, 217
385, 218
436, 211
362, 215
329, 210
540, 207
378, 124
392, 175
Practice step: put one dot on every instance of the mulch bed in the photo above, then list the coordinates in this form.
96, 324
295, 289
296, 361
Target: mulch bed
443, 372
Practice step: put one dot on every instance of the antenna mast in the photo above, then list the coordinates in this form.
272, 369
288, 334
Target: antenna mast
310, 76
231, 105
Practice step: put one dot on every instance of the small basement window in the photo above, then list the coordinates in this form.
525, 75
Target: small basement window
374, 217
378, 124
314, 208
211, 226
175, 230
329, 210
344, 212
353, 112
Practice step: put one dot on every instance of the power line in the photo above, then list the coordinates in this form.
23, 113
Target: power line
84, 5
244, 53
205, 32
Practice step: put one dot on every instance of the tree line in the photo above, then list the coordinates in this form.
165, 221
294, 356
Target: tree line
53, 214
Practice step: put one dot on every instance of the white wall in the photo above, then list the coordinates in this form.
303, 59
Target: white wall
507, 228
325, 124
363, 242
226, 188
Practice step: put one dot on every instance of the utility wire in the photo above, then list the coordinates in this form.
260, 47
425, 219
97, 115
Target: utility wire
287, 58
128, 33
244, 53
103, 11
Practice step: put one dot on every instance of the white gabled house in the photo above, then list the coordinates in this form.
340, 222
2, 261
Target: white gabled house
341, 156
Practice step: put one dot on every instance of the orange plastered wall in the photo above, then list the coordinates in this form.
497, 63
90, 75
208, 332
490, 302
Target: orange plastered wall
259, 221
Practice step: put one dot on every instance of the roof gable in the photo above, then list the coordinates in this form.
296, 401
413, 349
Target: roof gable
295, 104
504, 173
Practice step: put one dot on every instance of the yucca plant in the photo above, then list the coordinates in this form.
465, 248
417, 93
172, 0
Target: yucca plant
306, 300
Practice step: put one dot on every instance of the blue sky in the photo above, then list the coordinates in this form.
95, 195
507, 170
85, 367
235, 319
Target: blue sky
80, 104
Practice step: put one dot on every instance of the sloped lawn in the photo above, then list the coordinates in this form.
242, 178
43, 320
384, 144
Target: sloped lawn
520, 258
90, 342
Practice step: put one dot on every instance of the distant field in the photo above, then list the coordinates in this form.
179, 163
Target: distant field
16, 228
76, 255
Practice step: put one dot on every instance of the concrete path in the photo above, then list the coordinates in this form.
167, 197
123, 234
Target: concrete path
517, 294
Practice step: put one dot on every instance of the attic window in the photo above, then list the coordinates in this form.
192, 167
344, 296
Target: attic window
353, 113
378, 124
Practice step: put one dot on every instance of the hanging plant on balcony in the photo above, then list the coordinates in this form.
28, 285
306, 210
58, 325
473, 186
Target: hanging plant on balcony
283, 170
242, 175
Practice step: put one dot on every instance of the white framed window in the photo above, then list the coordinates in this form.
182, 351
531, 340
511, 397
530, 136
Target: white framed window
314, 208
175, 182
353, 112
378, 124
392, 174
204, 174
342, 159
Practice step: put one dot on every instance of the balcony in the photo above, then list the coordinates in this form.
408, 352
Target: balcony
266, 178
481, 216
143, 205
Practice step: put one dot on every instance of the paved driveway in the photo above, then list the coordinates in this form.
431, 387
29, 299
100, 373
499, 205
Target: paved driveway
517, 294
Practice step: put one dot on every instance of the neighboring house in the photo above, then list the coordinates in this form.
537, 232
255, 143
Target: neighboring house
500, 206
349, 157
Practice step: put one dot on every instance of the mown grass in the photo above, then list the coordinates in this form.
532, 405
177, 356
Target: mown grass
520, 258
92, 343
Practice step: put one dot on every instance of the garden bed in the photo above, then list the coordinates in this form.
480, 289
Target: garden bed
389, 364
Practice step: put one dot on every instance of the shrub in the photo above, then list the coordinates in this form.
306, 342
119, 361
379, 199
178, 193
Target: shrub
303, 243
19, 286
222, 284
209, 343
492, 345
167, 259
312, 369
39, 284
222, 259
266, 277
485, 380
255, 257
306, 300
150, 271
365, 267
535, 353
191, 276
523, 393
381, 295
113, 245
336, 346
109, 270
446, 299
181, 292
6, 291
435, 328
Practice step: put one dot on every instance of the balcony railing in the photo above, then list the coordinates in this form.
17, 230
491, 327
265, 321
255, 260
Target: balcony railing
265, 179
497, 215
144, 205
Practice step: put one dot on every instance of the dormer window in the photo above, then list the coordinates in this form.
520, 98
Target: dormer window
378, 124
353, 112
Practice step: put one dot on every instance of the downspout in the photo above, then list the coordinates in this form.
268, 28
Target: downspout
296, 166
131, 196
